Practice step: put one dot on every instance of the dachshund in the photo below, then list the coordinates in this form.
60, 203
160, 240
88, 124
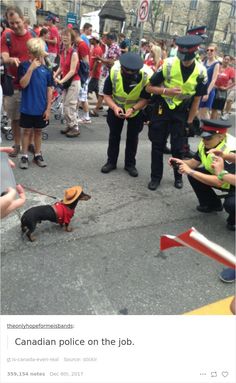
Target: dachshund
60, 212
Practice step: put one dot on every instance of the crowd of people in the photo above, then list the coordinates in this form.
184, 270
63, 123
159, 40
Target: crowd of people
168, 89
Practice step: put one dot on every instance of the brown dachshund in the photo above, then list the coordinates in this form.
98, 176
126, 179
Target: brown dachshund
60, 212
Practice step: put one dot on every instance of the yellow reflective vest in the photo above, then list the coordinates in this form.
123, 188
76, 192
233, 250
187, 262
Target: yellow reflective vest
173, 78
120, 97
227, 145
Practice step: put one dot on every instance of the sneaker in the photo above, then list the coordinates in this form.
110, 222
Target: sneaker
31, 148
225, 117
227, 275
38, 160
15, 152
74, 132
84, 121
24, 162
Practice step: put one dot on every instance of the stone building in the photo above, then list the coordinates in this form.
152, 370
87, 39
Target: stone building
171, 17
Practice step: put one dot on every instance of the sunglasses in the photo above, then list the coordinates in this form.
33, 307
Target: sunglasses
210, 50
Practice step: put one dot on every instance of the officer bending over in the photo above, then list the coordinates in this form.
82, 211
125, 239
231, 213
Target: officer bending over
124, 93
178, 84
214, 136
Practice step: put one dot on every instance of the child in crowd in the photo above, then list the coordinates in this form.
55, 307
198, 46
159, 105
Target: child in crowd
36, 81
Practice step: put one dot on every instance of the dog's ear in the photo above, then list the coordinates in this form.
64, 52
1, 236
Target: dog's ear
84, 197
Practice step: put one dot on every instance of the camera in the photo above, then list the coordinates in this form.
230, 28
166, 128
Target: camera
174, 164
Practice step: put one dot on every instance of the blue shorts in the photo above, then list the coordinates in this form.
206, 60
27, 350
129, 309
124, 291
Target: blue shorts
209, 102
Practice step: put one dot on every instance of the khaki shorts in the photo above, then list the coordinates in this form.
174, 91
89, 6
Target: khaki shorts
101, 85
12, 105
231, 95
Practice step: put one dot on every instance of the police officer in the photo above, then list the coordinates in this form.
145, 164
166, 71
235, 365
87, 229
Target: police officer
178, 84
214, 136
124, 93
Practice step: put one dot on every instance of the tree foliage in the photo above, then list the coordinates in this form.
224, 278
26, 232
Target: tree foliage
154, 12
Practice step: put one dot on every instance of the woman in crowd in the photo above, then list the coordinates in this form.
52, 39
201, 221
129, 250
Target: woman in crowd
212, 65
69, 65
154, 60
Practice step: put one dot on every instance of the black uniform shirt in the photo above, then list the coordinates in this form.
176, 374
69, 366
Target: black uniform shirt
201, 88
128, 86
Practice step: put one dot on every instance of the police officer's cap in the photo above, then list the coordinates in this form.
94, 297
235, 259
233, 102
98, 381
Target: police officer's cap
201, 30
187, 46
131, 61
211, 127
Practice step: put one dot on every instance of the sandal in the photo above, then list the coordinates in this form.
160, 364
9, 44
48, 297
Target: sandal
92, 113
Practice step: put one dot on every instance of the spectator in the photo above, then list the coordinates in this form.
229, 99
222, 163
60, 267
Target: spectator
113, 54
173, 49
36, 81
124, 43
44, 35
225, 81
83, 53
154, 61
86, 32
14, 51
95, 63
53, 40
69, 65
212, 65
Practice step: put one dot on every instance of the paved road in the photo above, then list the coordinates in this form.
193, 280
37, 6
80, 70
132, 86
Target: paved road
110, 263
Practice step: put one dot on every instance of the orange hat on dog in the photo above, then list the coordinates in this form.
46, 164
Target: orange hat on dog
72, 194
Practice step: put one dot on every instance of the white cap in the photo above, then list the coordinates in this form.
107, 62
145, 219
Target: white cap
95, 36
143, 40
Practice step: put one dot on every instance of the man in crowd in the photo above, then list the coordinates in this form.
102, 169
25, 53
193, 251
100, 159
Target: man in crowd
14, 51
53, 40
178, 87
86, 32
124, 43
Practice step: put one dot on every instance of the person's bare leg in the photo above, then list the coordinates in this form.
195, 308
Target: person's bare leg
25, 141
214, 114
16, 131
37, 140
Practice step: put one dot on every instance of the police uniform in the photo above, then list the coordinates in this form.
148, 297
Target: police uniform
208, 199
126, 90
170, 113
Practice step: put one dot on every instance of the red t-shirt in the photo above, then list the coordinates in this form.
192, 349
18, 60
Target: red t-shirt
64, 213
83, 50
65, 63
97, 51
18, 48
224, 77
53, 32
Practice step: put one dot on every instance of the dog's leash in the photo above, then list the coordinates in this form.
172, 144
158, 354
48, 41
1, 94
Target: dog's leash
38, 192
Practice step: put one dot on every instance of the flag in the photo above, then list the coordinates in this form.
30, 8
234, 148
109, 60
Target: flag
198, 242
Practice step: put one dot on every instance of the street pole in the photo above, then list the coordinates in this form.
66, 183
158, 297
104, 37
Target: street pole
140, 38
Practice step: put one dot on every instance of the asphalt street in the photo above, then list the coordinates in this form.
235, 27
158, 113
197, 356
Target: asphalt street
110, 263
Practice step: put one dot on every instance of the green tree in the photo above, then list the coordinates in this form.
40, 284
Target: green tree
154, 12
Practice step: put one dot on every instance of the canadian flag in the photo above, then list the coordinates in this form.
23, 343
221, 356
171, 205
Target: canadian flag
196, 241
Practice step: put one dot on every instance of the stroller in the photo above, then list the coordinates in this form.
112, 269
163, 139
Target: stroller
7, 130
57, 104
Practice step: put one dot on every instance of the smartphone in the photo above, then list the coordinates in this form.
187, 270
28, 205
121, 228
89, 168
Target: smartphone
7, 178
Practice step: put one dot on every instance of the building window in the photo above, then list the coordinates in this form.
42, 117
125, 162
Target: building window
168, 1
193, 4
26, 12
233, 9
